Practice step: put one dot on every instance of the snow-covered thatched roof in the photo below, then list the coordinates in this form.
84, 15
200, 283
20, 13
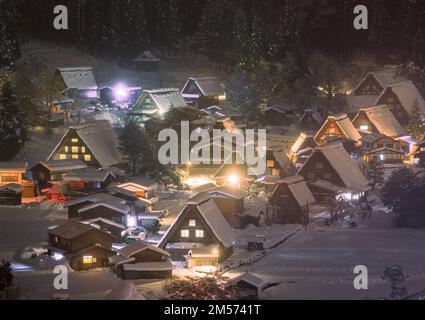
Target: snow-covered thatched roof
208, 86
355, 103
163, 99
89, 174
298, 187
137, 247
345, 167
407, 93
383, 120
63, 165
302, 142
81, 78
344, 124
227, 192
383, 77
209, 211
100, 138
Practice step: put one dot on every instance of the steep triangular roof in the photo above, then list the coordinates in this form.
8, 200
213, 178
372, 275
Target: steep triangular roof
344, 124
209, 211
81, 78
100, 138
208, 86
383, 120
298, 188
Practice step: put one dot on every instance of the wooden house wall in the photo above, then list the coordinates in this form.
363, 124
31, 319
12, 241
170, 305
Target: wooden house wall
73, 210
84, 240
9, 176
101, 255
390, 98
283, 206
149, 255
10, 198
363, 120
318, 167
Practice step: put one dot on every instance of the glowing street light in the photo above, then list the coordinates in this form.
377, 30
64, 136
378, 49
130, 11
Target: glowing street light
233, 179
120, 92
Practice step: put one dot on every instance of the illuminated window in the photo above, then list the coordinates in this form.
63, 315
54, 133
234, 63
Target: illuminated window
55, 239
83, 149
184, 233
270, 163
74, 156
332, 131
74, 140
88, 259
66, 149
74, 149
62, 156
364, 127
87, 157
199, 233
192, 223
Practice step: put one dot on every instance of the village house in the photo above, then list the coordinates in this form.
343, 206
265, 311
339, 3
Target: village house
13, 172
290, 201
377, 119
247, 286
53, 170
377, 147
100, 206
155, 103
375, 82
230, 202
107, 225
147, 61
203, 92
78, 82
325, 192
419, 152
277, 161
337, 125
141, 261
11, 194
311, 120
88, 179
332, 163
84, 246
199, 226
95, 143
400, 99
118, 93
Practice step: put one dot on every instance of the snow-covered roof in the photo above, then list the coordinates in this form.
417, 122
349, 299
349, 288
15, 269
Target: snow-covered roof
96, 197
250, 279
70, 229
100, 138
407, 93
383, 120
164, 99
13, 166
298, 187
15, 187
81, 78
212, 216
104, 220
344, 124
371, 138
208, 86
139, 184
149, 266
115, 205
137, 247
284, 109
63, 165
323, 184
88, 174
314, 114
355, 103
228, 192
383, 77
385, 149
342, 163
300, 143
147, 56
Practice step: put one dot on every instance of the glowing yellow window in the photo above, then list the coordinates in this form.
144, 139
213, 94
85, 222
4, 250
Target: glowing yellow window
74, 149
83, 149
62, 156
184, 233
270, 163
66, 149
87, 157
74, 140
87, 259
75, 156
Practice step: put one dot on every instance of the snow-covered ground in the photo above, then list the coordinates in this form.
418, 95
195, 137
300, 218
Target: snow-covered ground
318, 263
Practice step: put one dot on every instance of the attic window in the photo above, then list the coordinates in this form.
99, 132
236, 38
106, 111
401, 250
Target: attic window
332, 131
74, 140
192, 223
184, 233
199, 233
319, 165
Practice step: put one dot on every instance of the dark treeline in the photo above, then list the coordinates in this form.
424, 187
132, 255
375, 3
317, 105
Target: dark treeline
121, 28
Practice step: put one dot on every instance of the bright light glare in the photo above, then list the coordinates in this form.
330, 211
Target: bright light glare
121, 92
57, 256
131, 221
233, 179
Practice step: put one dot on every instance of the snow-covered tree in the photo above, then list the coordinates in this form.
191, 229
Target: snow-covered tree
416, 127
375, 173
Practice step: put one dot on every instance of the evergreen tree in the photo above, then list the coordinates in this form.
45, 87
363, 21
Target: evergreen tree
397, 278
135, 146
416, 127
169, 25
9, 48
13, 124
375, 172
